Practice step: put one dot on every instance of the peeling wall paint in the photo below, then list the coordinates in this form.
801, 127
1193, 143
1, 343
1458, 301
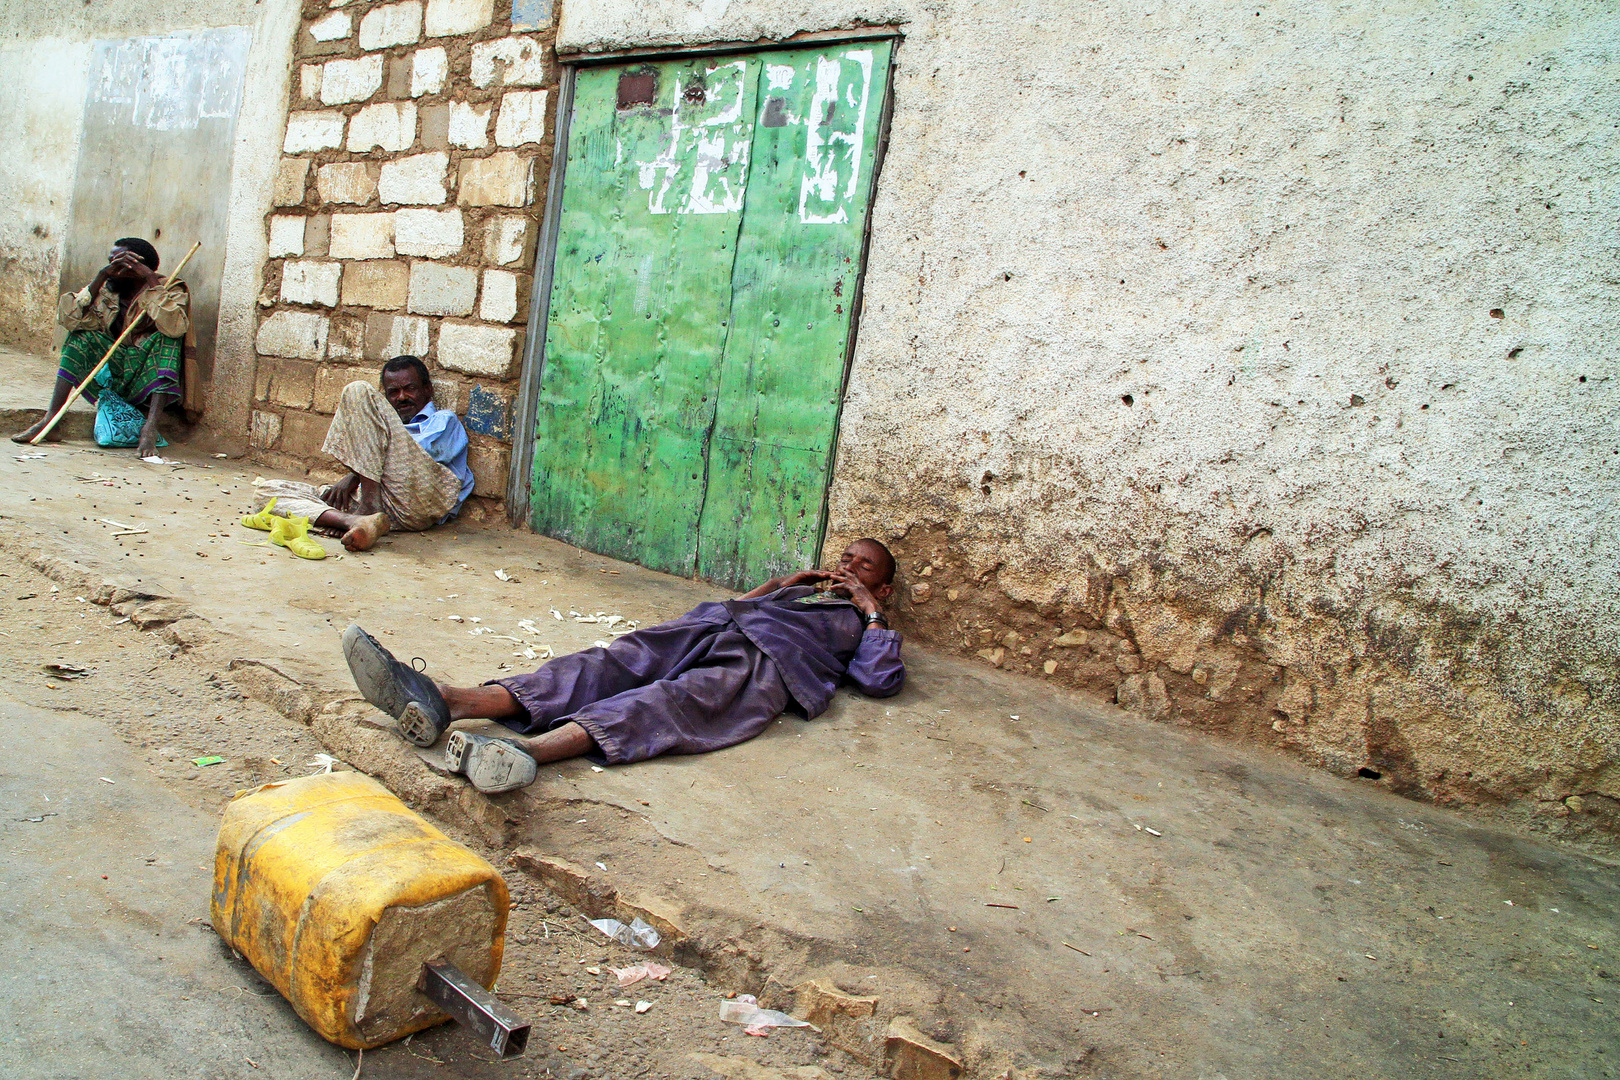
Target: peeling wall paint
1256, 366
832, 157
170, 83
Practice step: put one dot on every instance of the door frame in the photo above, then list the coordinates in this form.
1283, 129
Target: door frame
519, 483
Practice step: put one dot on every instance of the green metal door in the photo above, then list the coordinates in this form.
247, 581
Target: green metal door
708, 253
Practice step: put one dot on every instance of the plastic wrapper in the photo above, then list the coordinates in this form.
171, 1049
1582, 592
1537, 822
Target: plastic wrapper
745, 1010
638, 935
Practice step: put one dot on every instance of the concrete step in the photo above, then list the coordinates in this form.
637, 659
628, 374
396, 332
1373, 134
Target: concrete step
26, 381
78, 425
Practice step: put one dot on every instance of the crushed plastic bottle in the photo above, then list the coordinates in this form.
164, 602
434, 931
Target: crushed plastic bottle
638, 935
745, 1010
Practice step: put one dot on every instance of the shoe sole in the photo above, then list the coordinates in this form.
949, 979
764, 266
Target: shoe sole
416, 725
493, 765
455, 752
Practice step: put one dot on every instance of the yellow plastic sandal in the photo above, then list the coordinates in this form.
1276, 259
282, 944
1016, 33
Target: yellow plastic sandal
292, 533
263, 520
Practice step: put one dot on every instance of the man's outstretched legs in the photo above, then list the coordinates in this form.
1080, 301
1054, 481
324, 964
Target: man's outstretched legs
727, 694
685, 687
678, 688
423, 709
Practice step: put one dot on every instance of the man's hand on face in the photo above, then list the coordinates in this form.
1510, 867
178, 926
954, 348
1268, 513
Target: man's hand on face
850, 585
806, 577
125, 265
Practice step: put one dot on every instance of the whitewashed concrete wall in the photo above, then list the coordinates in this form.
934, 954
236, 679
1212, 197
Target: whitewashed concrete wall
42, 87
45, 49
1254, 364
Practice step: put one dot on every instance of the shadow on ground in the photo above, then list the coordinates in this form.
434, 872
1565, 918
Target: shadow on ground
1038, 881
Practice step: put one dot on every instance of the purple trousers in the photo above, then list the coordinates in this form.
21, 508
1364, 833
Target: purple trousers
682, 687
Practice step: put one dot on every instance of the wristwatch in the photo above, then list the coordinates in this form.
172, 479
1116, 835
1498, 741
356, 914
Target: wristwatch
877, 617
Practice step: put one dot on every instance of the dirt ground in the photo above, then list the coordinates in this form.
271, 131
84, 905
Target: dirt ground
170, 709
1043, 884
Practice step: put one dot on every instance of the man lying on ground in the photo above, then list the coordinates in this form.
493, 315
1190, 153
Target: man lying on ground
407, 462
713, 678
146, 370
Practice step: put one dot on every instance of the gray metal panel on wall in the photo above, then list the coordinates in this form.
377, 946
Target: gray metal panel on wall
155, 159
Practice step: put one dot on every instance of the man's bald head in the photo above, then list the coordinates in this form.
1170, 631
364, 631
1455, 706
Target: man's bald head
881, 554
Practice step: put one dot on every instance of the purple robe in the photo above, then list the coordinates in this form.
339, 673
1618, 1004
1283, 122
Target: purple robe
714, 677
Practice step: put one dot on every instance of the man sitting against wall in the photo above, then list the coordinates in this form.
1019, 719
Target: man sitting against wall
407, 462
146, 370
715, 677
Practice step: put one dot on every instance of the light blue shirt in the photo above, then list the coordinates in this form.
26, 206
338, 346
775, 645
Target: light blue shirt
439, 432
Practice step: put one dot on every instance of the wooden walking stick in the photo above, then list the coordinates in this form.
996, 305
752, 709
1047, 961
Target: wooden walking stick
130, 325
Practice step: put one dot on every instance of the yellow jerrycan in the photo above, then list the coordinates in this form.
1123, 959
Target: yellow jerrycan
338, 893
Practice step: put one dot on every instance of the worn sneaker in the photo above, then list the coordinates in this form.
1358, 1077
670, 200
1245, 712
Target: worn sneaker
397, 689
493, 765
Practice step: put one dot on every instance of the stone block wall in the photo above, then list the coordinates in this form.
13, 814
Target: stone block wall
404, 216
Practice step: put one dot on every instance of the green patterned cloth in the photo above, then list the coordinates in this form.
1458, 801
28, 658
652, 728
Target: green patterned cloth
134, 373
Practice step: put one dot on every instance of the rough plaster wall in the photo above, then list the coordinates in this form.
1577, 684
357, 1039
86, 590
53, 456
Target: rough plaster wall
44, 57
1256, 365
41, 98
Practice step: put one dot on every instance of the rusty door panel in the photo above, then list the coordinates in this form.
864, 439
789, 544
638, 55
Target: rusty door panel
708, 249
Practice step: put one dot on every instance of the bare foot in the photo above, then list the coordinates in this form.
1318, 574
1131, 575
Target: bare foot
28, 435
366, 532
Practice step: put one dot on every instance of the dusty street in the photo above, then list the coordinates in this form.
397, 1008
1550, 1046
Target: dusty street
1043, 885
107, 862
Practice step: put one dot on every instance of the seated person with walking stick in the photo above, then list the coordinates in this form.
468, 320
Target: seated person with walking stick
407, 462
714, 677
146, 369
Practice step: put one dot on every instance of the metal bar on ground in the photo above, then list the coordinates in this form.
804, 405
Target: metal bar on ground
474, 1008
